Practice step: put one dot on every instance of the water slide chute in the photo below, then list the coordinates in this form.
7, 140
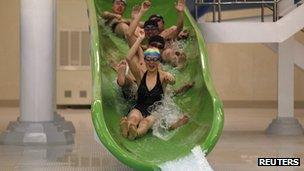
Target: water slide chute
200, 102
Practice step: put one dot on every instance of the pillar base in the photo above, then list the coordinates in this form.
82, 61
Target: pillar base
285, 126
65, 125
57, 132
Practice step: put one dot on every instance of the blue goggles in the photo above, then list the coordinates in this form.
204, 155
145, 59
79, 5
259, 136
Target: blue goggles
152, 58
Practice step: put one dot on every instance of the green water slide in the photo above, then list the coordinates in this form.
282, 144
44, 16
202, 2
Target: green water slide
200, 102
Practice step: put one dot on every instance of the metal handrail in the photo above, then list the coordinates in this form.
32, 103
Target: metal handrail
218, 4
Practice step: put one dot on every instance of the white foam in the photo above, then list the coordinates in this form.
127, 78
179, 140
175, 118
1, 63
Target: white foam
167, 113
195, 161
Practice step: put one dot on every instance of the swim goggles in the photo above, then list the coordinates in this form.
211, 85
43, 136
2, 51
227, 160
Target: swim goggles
152, 58
124, 1
150, 27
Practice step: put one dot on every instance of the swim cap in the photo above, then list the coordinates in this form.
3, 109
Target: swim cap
152, 54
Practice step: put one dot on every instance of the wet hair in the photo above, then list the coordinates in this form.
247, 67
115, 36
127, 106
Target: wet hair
157, 39
151, 24
158, 17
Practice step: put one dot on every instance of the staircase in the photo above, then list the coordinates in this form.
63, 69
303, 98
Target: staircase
260, 32
288, 19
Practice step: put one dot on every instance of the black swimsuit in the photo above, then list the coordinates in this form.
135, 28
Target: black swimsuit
112, 23
147, 98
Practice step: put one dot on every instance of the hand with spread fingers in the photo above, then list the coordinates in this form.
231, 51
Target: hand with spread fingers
145, 6
135, 11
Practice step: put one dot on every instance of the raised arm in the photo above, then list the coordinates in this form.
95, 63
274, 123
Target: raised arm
172, 32
180, 7
134, 65
136, 18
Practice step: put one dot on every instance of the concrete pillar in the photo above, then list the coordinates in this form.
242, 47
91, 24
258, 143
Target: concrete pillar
36, 124
285, 123
285, 80
37, 60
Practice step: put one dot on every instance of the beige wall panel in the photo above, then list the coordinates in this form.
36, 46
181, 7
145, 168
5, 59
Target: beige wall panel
75, 81
248, 72
300, 36
227, 61
72, 14
265, 72
299, 73
9, 49
299, 84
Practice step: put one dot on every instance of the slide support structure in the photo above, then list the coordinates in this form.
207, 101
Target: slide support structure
285, 123
38, 122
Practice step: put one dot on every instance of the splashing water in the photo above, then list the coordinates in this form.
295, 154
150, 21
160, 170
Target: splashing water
194, 161
167, 113
179, 45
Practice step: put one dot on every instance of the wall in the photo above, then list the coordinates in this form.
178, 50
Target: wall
72, 15
9, 51
246, 74
299, 73
241, 72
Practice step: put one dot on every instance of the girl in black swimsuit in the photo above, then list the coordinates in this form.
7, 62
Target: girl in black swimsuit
147, 98
151, 83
